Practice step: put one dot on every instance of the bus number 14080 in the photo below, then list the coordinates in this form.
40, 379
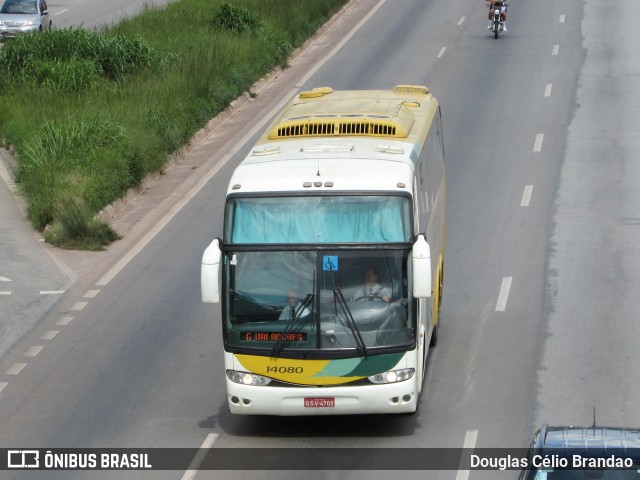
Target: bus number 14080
285, 369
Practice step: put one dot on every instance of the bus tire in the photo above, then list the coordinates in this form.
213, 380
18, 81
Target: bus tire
434, 337
440, 285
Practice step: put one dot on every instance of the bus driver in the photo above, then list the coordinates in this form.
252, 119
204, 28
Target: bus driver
372, 290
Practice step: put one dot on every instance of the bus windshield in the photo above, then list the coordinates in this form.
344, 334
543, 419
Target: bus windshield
318, 219
329, 301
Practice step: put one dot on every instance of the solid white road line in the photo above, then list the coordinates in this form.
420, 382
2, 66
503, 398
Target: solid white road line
501, 305
469, 443
200, 456
526, 196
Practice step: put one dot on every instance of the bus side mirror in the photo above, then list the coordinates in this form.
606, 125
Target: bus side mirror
421, 263
209, 273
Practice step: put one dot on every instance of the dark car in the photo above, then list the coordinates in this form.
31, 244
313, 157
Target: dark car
23, 16
578, 453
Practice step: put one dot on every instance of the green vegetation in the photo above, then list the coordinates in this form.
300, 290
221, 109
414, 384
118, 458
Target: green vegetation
89, 114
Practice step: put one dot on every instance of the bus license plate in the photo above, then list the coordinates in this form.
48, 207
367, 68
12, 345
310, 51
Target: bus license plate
320, 402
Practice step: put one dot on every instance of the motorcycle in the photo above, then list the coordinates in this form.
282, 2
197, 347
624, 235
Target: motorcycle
496, 25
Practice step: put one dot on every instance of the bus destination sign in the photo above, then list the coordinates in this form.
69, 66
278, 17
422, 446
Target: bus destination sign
273, 337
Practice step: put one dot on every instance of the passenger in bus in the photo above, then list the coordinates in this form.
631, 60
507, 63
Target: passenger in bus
372, 290
293, 307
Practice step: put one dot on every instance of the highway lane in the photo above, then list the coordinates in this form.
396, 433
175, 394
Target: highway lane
483, 377
30, 280
140, 365
593, 269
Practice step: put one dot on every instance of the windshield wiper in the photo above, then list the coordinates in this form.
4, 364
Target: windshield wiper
351, 323
280, 343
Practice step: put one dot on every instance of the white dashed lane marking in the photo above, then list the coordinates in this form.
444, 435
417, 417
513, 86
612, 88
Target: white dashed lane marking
33, 351
49, 335
190, 474
15, 369
504, 294
64, 320
526, 196
537, 146
470, 440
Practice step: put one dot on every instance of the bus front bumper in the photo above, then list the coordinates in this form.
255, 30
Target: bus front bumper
400, 397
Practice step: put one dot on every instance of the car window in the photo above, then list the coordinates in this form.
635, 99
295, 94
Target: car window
19, 7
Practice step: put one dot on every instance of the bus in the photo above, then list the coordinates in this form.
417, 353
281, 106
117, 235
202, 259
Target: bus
330, 268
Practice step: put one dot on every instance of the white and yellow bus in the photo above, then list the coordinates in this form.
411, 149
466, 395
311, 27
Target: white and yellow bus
342, 184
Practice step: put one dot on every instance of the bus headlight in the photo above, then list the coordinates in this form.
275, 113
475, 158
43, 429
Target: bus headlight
246, 378
393, 376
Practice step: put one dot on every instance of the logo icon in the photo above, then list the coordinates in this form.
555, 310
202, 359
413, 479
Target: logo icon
330, 263
23, 459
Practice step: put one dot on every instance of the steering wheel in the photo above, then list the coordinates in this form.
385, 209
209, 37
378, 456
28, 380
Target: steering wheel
367, 297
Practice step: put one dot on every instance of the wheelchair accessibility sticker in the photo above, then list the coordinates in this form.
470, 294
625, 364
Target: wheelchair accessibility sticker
330, 263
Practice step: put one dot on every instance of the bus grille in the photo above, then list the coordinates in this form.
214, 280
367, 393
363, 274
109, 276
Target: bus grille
329, 128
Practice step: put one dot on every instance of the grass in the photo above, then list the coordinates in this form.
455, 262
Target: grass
98, 111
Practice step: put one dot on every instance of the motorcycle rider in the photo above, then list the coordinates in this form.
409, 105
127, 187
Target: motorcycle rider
502, 5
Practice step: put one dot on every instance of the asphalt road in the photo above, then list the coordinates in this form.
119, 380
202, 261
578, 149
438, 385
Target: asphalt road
539, 309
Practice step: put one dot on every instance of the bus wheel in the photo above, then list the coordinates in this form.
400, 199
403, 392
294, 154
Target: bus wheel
424, 368
434, 337
436, 313
440, 285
